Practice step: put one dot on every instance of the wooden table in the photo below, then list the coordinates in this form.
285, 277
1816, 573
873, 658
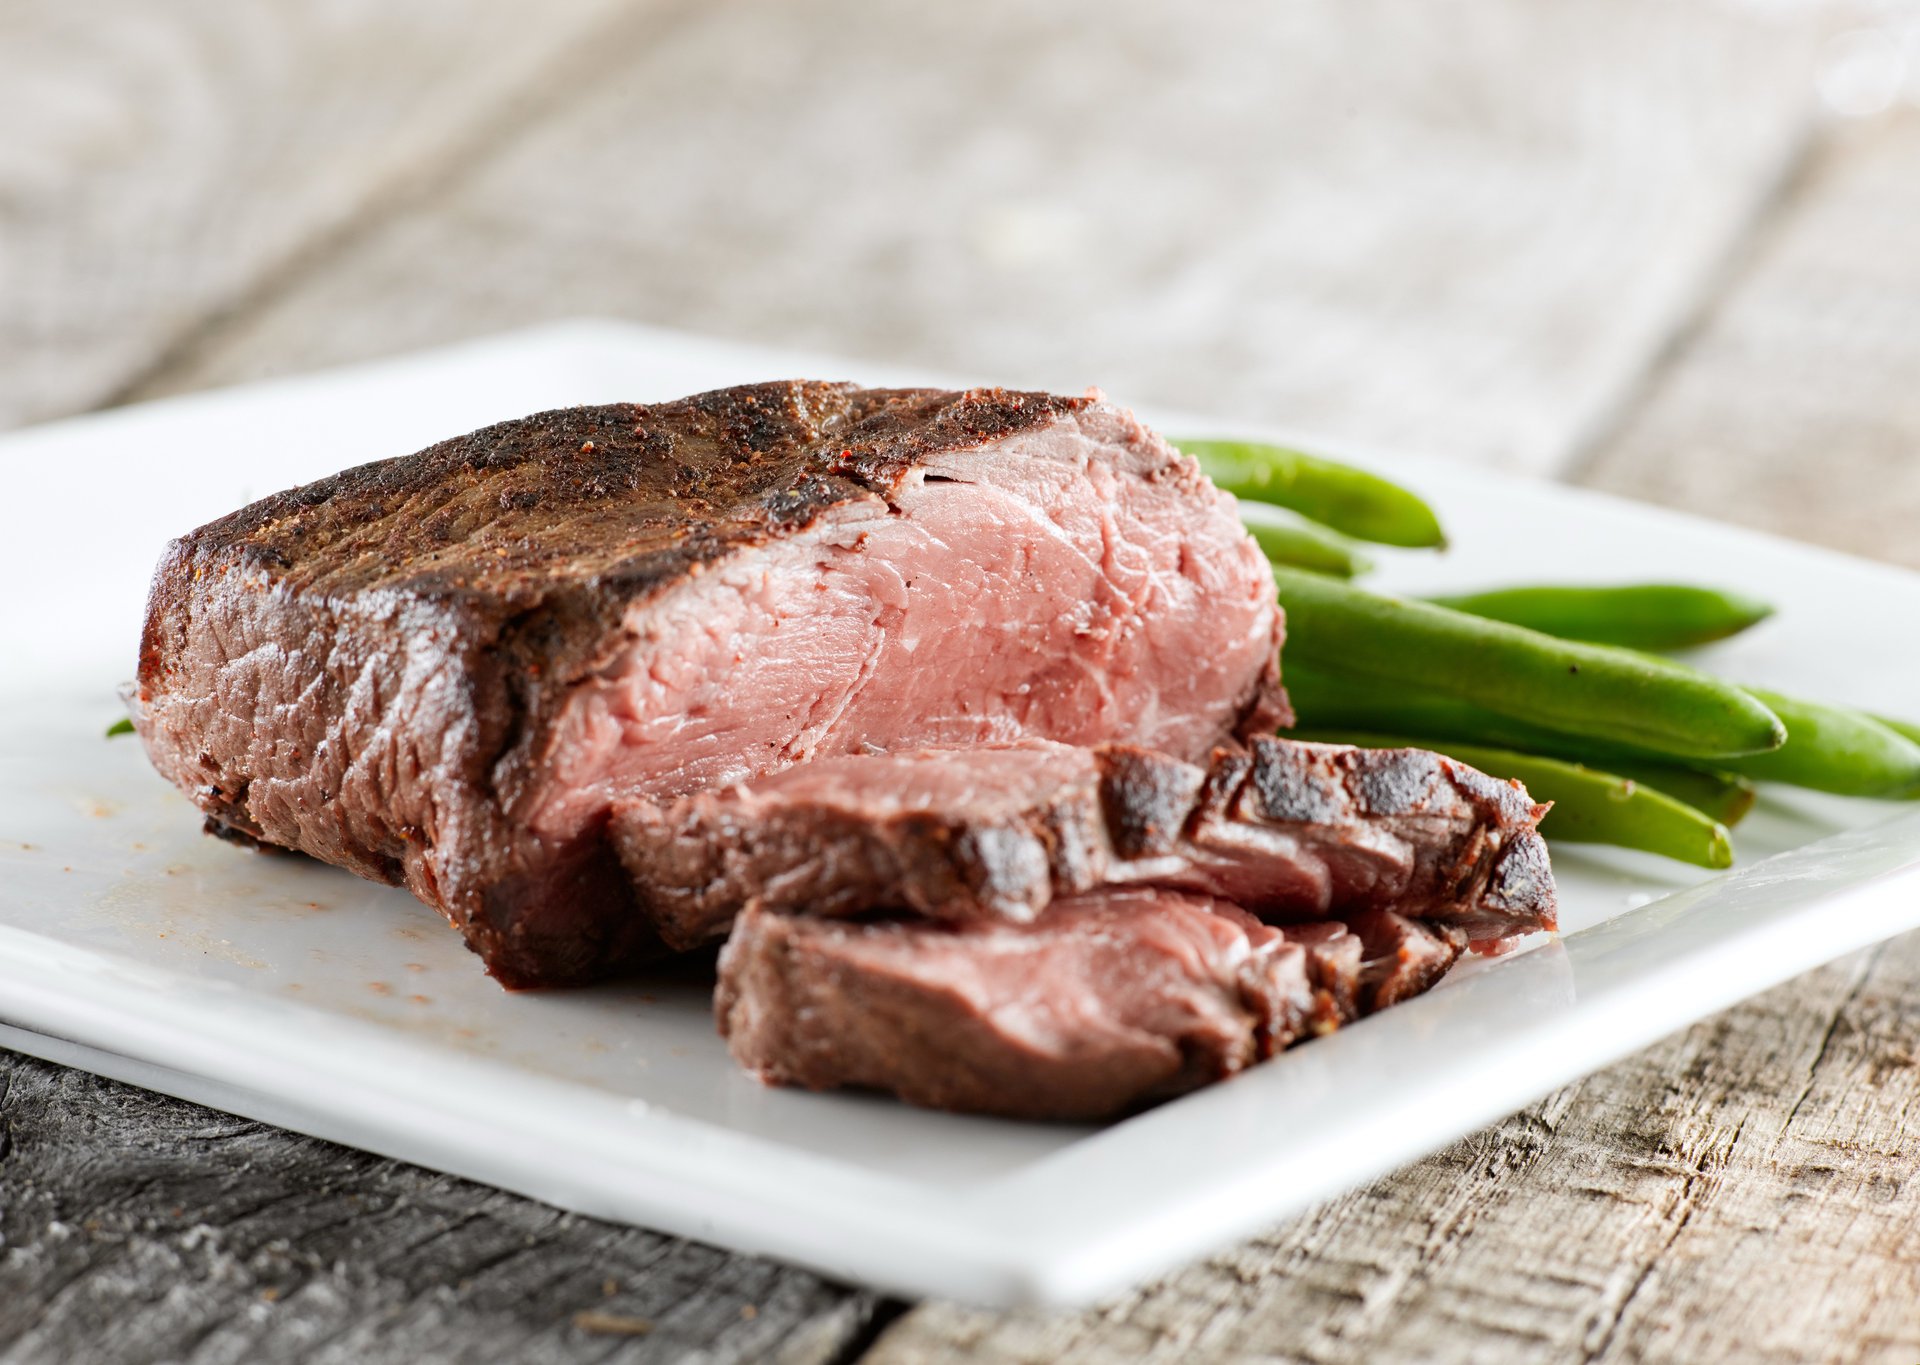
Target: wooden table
1626, 242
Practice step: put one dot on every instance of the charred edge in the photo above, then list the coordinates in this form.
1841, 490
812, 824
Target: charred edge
1228, 772
1297, 783
231, 832
1394, 781
1520, 880
1146, 799
995, 863
803, 444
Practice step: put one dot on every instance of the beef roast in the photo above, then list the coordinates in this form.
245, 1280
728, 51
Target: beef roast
1287, 830
444, 669
1100, 1004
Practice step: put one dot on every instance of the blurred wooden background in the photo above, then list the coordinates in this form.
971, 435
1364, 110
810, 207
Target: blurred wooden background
1670, 248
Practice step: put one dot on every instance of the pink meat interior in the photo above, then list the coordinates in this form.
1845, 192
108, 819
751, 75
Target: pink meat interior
982, 784
1115, 969
1063, 584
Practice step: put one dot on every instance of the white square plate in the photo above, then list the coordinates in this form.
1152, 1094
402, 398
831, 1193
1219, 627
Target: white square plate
294, 993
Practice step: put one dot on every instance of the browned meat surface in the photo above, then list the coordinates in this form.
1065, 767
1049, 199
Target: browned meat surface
1102, 1003
443, 670
1289, 831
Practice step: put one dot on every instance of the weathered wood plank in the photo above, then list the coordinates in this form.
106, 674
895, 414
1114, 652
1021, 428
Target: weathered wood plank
137, 1228
164, 164
1463, 232
1796, 406
1749, 1190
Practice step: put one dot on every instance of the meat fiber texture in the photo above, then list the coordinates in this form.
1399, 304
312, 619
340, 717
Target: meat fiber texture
1289, 831
1099, 1005
1049, 931
444, 670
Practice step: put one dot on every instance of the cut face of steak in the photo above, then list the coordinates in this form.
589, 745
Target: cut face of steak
443, 670
987, 832
1289, 831
1103, 1003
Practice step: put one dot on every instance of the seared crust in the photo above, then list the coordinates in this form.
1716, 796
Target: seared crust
1479, 861
577, 511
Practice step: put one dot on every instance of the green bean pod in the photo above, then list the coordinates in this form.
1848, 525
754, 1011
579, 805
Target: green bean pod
1640, 615
1906, 729
1835, 749
1727, 797
1828, 748
1588, 690
1351, 501
1304, 545
1325, 699
1589, 806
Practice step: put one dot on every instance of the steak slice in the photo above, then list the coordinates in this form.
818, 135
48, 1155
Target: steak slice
444, 669
1287, 830
1103, 1003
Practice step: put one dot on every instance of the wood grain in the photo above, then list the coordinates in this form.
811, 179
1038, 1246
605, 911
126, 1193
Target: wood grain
137, 1228
165, 165
1469, 239
1795, 407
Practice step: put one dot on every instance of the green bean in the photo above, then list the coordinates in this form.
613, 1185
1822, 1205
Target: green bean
1642, 615
1589, 690
1325, 697
1906, 729
1589, 806
1727, 797
1835, 749
1305, 545
1351, 501
1828, 748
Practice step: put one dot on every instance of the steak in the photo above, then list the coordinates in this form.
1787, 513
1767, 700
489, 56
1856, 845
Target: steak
1101, 1004
444, 670
1289, 831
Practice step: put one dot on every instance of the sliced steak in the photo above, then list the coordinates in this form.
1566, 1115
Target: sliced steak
1289, 831
1103, 1003
443, 670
